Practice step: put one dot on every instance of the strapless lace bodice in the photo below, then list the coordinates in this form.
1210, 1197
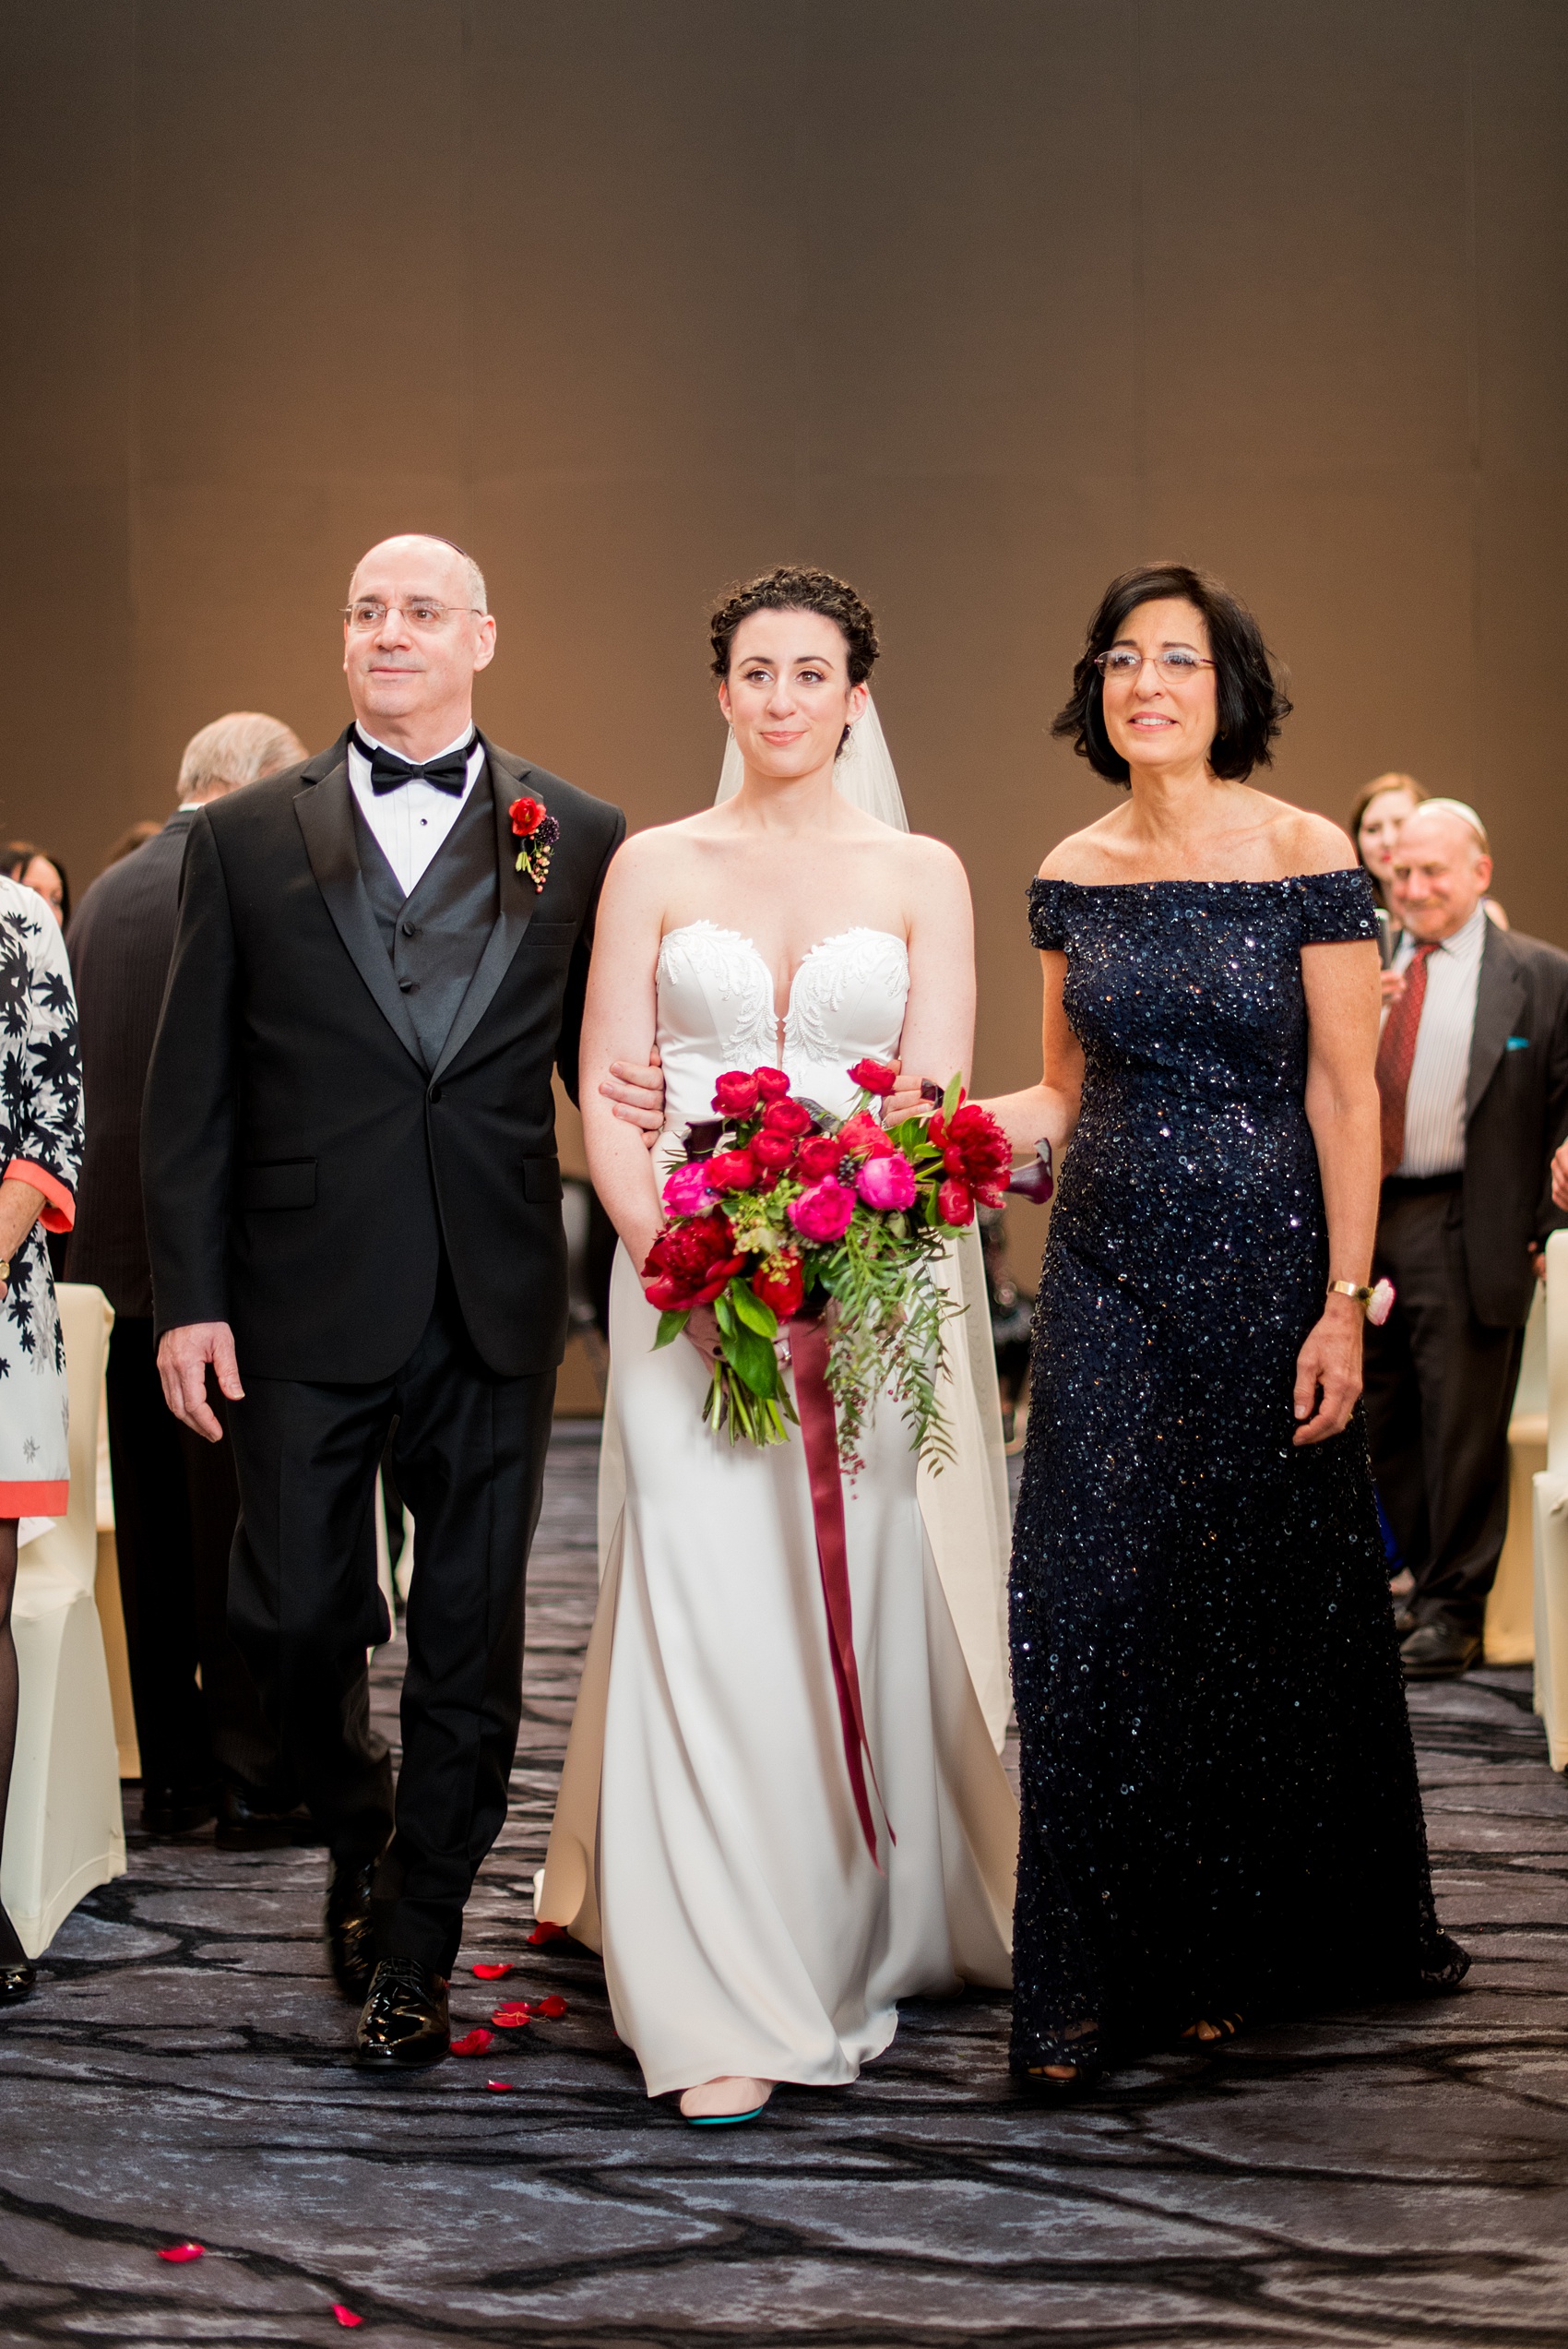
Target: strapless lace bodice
716, 1011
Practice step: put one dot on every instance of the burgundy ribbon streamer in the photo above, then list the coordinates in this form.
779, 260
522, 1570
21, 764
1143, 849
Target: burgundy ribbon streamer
819, 1434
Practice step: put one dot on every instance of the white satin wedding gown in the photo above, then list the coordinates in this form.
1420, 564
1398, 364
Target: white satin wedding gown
706, 1837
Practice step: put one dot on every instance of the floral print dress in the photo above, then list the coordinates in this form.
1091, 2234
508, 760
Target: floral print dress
41, 1143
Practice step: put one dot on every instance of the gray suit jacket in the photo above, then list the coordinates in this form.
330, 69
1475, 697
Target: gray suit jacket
1516, 1110
121, 941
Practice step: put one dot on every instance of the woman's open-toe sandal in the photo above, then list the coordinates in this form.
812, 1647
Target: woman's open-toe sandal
1058, 2086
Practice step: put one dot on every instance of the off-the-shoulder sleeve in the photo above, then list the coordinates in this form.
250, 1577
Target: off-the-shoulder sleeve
1337, 907
1046, 926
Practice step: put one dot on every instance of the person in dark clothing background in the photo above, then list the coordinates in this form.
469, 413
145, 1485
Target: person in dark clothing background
204, 1746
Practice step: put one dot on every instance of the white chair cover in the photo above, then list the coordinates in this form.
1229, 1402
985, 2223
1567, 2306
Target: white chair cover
64, 1832
1552, 1516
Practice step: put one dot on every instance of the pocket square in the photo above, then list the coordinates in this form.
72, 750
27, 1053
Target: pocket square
1517, 1043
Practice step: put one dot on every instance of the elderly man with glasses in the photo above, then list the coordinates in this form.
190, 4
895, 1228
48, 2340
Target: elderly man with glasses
353, 1200
1472, 1068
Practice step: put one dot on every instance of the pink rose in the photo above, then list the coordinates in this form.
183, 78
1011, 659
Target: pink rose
887, 1182
686, 1191
824, 1211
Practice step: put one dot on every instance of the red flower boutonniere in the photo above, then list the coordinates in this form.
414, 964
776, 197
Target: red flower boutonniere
538, 831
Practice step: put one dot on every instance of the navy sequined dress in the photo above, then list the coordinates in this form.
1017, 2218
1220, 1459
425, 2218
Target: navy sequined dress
1220, 1813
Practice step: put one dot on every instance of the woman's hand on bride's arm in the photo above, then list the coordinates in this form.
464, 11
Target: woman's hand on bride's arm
636, 1094
1049, 1111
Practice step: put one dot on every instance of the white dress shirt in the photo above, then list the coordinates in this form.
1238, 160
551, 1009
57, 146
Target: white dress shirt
411, 822
1435, 1106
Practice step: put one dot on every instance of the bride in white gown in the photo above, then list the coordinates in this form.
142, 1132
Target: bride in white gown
706, 1837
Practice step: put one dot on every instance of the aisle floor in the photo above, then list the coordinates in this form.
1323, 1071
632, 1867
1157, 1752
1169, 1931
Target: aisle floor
1390, 2178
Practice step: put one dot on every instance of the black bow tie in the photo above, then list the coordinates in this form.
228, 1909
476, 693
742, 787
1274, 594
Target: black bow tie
389, 773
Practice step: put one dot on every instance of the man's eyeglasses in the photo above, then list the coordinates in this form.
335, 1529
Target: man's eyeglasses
421, 612
1176, 665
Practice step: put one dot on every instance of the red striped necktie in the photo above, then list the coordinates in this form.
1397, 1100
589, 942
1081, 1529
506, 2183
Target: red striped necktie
1396, 1055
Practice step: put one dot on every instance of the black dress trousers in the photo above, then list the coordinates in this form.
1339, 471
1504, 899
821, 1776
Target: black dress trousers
176, 1504
1439, 1396
469, 1448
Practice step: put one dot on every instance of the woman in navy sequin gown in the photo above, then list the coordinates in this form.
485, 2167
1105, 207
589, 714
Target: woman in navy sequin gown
1220, 1812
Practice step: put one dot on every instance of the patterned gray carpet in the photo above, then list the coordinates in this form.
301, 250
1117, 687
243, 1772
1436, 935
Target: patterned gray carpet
1392, 2178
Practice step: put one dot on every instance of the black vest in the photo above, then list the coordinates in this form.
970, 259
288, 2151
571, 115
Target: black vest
436, 935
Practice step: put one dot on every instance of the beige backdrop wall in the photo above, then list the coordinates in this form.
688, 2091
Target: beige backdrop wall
977, 301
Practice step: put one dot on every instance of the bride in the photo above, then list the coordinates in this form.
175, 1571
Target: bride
706, 1837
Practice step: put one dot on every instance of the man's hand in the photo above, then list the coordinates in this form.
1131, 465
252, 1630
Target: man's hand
638, 1095
182, 1357
1328, 1373
1560, 1177
1393, 985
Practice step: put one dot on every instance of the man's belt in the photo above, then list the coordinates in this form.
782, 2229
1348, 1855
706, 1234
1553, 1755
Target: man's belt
1418, 1186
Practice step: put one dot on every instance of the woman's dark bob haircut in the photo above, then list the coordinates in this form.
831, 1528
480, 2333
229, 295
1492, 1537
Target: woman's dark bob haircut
1249, 701
792, 587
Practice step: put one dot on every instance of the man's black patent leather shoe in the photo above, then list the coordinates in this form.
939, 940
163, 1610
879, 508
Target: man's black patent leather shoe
16, 1984
249, 1821
1439, 1652
405, 2021
174, 1810
350, 1936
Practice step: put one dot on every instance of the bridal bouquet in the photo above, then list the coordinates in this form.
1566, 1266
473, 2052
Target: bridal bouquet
784, 1216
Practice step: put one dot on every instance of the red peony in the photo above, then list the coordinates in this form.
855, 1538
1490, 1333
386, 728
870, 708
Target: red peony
861, 1132
873, 1077
735, 1095
775, 1151
955, 1202
771, 1083
780, 1282
526, 815
975, 1150
731, 1170
785, 1118
690, 1263
818, 1155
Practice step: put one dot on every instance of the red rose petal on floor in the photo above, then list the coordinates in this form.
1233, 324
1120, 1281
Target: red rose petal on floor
178, 2254
345, 2316
499, 2087
545, 1931
491, 1973
473, 2043
552, 2008
510, 2018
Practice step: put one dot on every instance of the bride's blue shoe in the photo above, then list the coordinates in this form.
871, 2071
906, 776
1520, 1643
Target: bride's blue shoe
722, 2120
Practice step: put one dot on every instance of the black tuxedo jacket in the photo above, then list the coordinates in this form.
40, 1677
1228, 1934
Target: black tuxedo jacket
303, 1169
1517, 1113
121, 938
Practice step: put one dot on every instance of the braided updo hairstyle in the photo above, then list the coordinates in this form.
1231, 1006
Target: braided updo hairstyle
793, 588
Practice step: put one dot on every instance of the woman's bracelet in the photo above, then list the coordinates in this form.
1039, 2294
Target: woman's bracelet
1375, 1299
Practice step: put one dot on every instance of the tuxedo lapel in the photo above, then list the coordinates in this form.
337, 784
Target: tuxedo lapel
1500, 999
326, 820
516, 900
